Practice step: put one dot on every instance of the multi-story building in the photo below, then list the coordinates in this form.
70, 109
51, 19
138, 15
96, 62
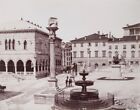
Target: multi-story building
90, 50
25, 49
66, 54
97, 50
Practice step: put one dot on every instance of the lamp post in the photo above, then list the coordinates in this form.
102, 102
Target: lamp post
52, 29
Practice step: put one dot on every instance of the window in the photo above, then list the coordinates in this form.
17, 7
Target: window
139, 45
124, 46
96, 44
103, 53
110, 47
89, 44
81, 44
74, 54
13, 44
104, 43
9, 44
81, 54
110, 54
6, 44
132, 54
131, 31
25, 45
116, 46
74, 44
132, 46
96, 53
124, 54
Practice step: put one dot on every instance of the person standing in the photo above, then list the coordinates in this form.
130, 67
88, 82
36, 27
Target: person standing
70, 82
67, 81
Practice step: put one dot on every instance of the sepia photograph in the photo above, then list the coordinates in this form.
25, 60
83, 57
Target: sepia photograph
69, 54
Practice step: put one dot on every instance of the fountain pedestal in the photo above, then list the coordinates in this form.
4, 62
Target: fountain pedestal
116, 72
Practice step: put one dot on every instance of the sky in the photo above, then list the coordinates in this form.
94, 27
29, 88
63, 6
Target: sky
76, 18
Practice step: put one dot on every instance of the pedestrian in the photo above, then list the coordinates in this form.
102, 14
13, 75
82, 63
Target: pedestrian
70, 82
67, 81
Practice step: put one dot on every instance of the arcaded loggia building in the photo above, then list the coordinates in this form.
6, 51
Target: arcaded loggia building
24, 49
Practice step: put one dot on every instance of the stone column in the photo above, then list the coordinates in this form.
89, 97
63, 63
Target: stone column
25, 68
34, 66
6, 66
52, 29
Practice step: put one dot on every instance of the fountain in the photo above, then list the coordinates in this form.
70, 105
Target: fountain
83, 99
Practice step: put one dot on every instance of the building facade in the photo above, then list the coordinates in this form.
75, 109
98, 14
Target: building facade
25, 49
98, 50
66, 54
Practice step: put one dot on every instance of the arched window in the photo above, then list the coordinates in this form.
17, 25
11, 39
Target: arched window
6, 44
9, 44
13, 44
25, 45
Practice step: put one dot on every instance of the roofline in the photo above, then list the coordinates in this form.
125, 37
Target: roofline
23, 31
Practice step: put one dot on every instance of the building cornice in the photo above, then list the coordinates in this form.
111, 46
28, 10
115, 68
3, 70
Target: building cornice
22, 31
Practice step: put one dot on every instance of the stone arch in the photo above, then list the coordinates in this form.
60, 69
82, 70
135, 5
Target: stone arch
29, 66
20, 66
2, 66
11, 66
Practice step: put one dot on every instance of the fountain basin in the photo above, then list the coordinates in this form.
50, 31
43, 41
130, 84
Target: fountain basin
81, 82
91, 94
63, 101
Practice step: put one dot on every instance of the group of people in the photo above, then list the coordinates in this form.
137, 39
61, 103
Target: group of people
68, 82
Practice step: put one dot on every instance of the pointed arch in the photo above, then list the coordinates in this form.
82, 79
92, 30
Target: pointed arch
20, 66
29, 66
2, 66
11, 66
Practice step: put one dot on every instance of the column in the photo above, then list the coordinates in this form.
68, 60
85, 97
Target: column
52, 29
15, 68
34, 66
25, 69
52, 60
6, 67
